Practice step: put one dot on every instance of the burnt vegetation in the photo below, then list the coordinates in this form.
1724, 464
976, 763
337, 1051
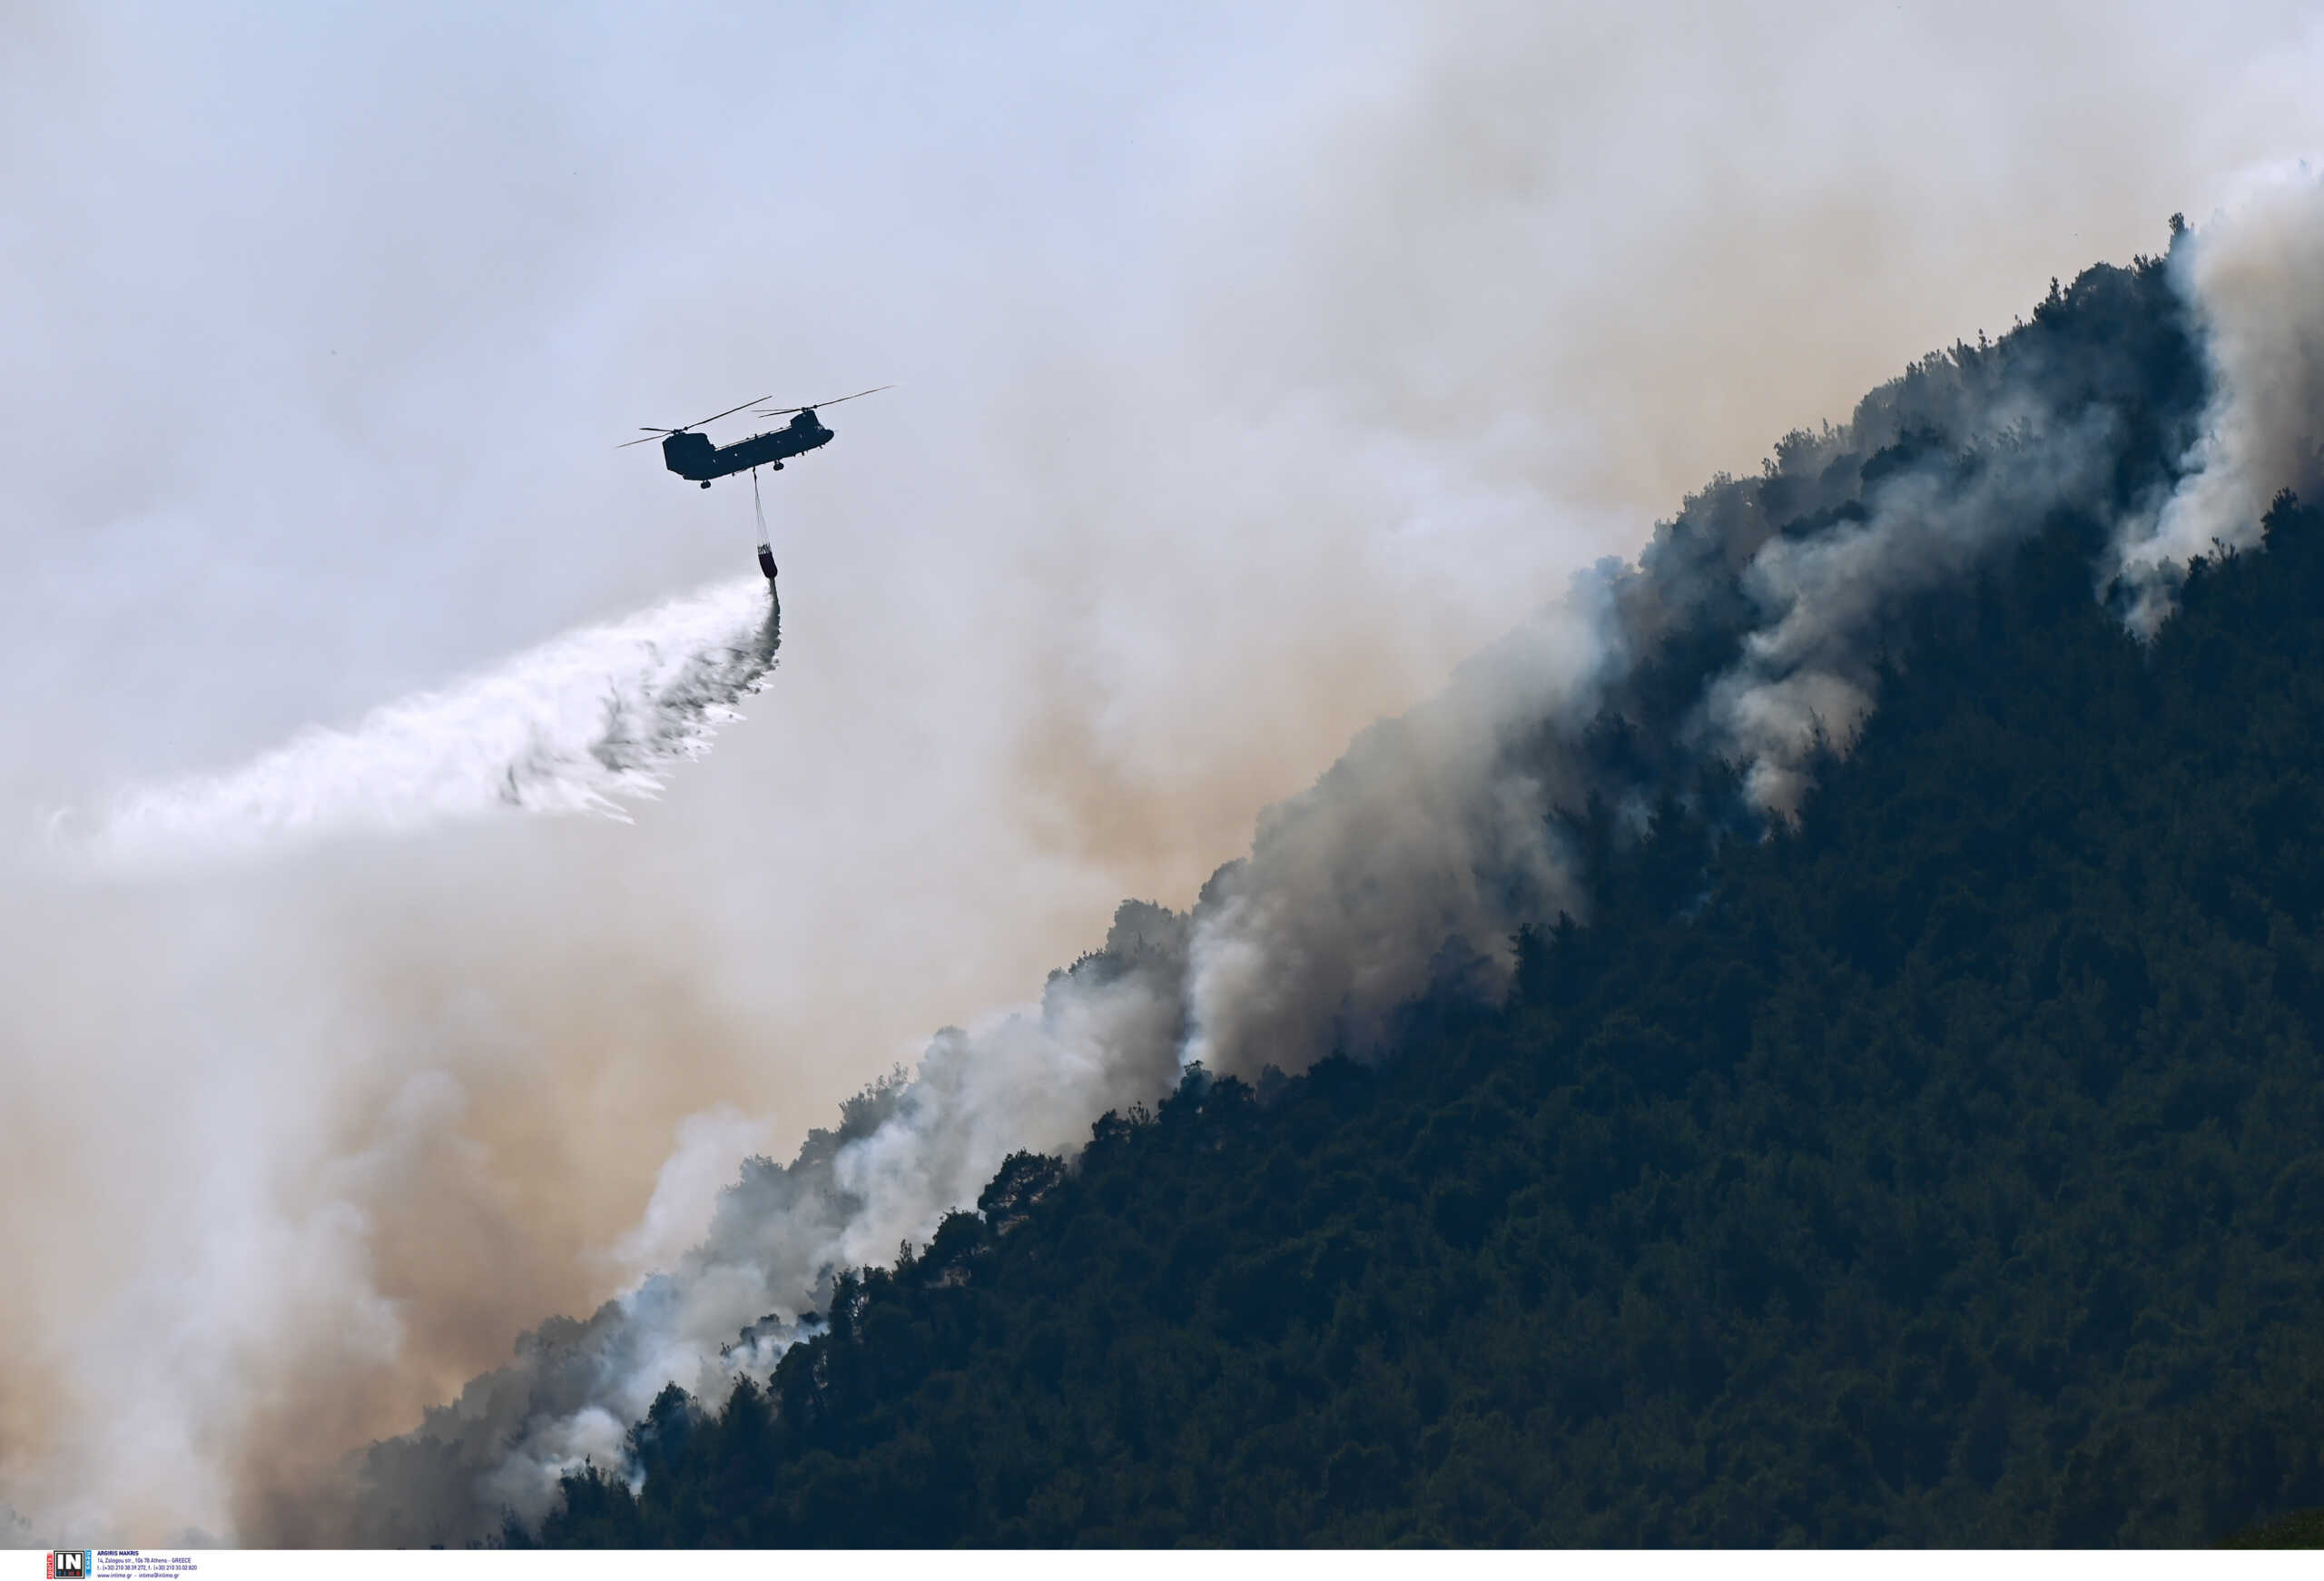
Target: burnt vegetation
1945, 1167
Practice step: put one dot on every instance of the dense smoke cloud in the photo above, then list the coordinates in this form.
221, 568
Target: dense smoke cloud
1405, 868
1257, 369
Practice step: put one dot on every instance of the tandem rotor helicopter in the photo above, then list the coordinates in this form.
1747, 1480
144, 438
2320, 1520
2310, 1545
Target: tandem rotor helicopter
692, 456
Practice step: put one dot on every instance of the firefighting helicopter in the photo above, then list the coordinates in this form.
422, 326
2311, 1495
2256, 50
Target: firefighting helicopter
692, 456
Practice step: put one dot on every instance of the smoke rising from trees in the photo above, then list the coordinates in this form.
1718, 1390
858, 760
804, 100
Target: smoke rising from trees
1258, 372
2254, 277
1409, 865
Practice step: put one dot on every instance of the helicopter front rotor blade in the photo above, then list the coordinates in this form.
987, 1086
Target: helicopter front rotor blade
811, 405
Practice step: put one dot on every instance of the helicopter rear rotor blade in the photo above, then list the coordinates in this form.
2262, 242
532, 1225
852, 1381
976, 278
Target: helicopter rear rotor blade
705, 422
813, 405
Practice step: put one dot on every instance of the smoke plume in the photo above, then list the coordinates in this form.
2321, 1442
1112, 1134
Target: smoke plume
1257, 366
2254, 277
1750, 633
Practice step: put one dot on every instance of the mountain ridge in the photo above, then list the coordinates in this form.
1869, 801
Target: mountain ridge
1583, 1248
1500, 853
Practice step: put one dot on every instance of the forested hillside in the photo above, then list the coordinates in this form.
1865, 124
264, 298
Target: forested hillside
1945, 1165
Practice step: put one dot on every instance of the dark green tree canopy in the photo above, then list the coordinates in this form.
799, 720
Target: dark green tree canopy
1944, 1167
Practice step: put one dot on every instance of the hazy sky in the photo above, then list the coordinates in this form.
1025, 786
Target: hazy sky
1254, 366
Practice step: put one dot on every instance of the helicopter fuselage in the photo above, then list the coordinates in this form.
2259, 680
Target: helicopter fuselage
692, 456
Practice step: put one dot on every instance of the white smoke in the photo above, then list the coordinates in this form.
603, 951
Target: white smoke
1807, 677
689, 1184
1028, 1078
1266, 360
1423, 834
578, 725
2254, 279
1411, 860
1433, 830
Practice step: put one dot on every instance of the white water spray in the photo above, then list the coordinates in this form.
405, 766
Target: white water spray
579, 724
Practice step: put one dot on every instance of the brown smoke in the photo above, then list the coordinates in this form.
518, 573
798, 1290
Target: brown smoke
1443, 314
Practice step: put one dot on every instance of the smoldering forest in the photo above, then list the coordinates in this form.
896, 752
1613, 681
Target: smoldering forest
1409, 867
1276, 474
